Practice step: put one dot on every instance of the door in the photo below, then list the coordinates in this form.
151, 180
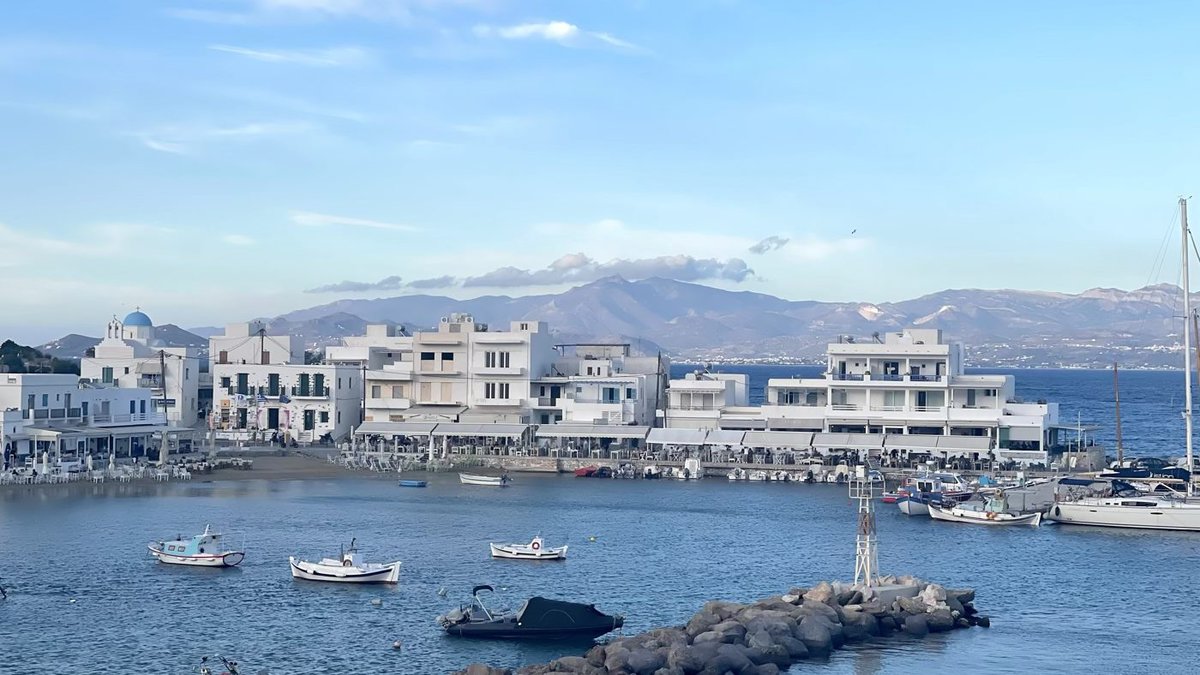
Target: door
555, 392
310, 420
272, 418
922, 399
842, 369
970, 398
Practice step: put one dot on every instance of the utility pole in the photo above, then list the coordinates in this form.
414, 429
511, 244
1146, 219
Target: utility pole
162, 382
1117, 401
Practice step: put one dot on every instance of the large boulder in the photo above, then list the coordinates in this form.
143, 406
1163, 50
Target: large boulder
776, 624
692, 659
701, 622
913, 605
663, 637
646, 661
707, 637
940, 620
595, 656
810, 608
574, 664
814, 633
963, 595
917, 625
481, 669
822, 592
616, 658
776, 654
795, 648
933, 595
721, 609
858, 626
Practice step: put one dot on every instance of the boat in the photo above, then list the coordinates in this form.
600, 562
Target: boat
692, 470
412, 483
652, 471
994, 511
347, 568
475, 479
534, 550
603, 472
586, 471
230, 667
538, 619
202, 550
737, 473
1124, 506
757, 475
917, 503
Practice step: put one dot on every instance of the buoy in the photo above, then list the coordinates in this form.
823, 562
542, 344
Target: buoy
592, 538
72, 601
376, 602
442, 592
397, 645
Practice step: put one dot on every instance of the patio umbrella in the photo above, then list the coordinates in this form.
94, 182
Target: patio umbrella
112, 461
45, 462
89, 463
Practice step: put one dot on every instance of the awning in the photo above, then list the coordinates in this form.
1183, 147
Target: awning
792, 423
938, 443
797, 440
590, 431
742, 424
1024, 433
149, 368
848, 441
912, 441
445, 412
964, 443
489, 430
677, 436
394, 429
724, 437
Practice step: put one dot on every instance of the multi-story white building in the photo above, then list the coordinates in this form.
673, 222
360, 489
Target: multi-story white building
383, 345
130, 356
262, 390
912, 383
599, 384
65, 416
701, 400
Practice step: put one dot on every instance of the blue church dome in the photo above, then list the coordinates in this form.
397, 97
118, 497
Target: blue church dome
138, 318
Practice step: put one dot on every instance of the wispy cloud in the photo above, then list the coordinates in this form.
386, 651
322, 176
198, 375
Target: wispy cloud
181, 139
580, 268
435, 282
266, 11
310, 219
385, 284
335, 56
561, 32
769, 244
237, 240
93, 241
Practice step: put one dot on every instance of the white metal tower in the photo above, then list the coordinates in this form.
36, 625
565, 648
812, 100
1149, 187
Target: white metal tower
866, 550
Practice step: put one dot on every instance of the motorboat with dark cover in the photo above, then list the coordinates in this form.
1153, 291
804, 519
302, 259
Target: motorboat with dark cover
538, 619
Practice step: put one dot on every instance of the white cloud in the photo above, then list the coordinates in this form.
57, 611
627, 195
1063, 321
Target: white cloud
310, 219
769, 244
579, 268
237, 240
335, 56
561, 32
391, 283
181, 139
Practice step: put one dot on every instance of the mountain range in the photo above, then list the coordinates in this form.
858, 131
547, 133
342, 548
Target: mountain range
695, 322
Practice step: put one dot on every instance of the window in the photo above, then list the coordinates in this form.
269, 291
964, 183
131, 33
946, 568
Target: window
989, 392
243, 383
303, 389
893, 399
339, 384
426, 356
504, 391
241, 418
376, 391
589, 370
489, 390
542, 390
187, 373
223, 357
143, 406
106, 375
83, 408
318, 384
225, 383
45, 400
505, 359
489, 359
970, 398
32, 402
630, 394
132, 407
397, 391
339, 417
324, 417
126, 370
447, 356
273, 384
610, 395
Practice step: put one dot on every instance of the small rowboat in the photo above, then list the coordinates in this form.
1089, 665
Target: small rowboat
412, 483
534, 550
474, 479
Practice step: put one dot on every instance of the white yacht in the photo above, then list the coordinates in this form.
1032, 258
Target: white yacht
1147, 511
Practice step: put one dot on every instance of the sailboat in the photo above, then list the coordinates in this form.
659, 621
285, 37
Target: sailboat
1145, 511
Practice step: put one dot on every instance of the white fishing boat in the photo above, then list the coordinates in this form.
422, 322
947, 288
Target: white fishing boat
202, 550
757, 476
534, 550
1123, 508
737, 473
691, 470
992, 512
347, 568
475, 479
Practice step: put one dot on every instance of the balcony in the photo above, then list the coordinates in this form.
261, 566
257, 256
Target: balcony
499, 402
545, 402
389, 403
929, 408
126, 419
497, 370
846, 407
849, 377
309, 394
887, 377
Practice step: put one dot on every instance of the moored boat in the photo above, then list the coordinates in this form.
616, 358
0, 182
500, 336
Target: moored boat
475, 479
994, 511
412, 483
586, 471
202, 550
534, 550
538, 619
348, 567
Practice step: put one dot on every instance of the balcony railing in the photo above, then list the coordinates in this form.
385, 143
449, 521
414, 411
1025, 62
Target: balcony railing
853, 377
888, 377
846, 406
800, 404
929, 408
924, 378
119, 419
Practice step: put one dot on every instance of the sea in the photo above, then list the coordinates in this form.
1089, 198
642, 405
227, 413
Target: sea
85, 597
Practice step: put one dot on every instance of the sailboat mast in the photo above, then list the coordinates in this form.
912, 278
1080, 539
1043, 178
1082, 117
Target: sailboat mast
1117, 401
1187, 338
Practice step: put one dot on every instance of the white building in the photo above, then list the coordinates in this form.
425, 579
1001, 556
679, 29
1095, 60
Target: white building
64, 416
912, 383
702, 400
263, 390
599, 384
383, 345
130, 356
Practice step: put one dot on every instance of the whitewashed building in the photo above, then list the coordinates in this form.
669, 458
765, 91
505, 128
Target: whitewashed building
599, 384
702, 399
911, 385
262, 390
65, 416
131, 356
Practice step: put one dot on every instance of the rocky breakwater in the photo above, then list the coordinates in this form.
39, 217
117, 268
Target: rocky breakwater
768, 636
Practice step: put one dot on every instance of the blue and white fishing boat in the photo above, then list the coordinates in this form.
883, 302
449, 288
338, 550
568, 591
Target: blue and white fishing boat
405, 482
202, 550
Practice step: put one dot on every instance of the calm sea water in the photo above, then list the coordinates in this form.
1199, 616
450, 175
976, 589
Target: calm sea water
1063, 599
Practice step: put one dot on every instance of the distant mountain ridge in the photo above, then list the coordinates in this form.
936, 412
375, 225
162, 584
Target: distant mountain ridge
695, 322
74, 345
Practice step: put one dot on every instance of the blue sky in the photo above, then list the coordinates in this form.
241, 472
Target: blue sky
214, 160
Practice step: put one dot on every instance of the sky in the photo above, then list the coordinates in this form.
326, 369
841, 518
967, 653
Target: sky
216, 160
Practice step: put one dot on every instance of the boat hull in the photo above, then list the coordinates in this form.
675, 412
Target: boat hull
956, 515
912, 507
512, 553
509, 630
385, 574
1162, 517
224, 559
492, 481
413, 483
